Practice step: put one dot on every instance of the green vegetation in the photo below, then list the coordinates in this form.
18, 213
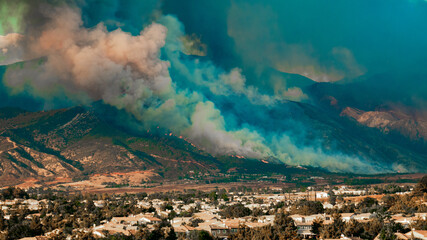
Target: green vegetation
283, 228
362, 181
235, 211
304, 207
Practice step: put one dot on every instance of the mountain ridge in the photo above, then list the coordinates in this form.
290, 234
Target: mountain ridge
74, 142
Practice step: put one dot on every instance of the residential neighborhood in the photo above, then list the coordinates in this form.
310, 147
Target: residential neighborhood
333, 212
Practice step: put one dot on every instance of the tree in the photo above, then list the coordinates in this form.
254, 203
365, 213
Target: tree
389, 200
18, 231
172, 215
419, 224
421, 187
367, 202
11, 193
372, 228
285, 226
194, 222
387, 233
305, 207
317, 226
90, 206
213, 196
257, 212
199, 235
2, 221
332, 197
171, 234
203, 235
335, 229
235, 211
353, 228
35, 226
155, 234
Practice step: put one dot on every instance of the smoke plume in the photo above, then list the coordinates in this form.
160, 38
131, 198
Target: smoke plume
151, 75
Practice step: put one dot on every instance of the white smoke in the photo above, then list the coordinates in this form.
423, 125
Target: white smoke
10, 51
121, 69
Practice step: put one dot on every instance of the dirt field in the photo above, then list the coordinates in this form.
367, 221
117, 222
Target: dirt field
181, 187
140, 181
359, 198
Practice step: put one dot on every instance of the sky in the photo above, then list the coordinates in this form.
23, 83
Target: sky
226, 74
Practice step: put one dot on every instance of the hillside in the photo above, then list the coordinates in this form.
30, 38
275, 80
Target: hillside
75, 142
79, 142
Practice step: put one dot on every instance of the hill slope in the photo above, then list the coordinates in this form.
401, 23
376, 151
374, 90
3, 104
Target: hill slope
75, 142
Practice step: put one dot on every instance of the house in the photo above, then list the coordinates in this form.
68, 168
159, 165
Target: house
322, 195
183, 229
136, 219
304, 229
234, 226
417, 234
99, 203
401, 236
266, 219
414, 234
327, 205
219, 231
298, 218
34, 238
313, 217
405, 221
206, 225
362, 216
346, 217
422, 216
343, 238
149, 220
113, 228
206, 216
32, 204
223, 230
180, 220
255, 224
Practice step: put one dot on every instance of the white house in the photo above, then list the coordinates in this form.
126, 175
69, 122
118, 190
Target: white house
322, 195
346, 217
151, 220
362, 216
417, 234
298, 218
327, 205
266, 219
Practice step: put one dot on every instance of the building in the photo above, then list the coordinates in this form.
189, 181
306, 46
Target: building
346, 217
417, 234
304, 229
414, 234
362, 216
322, 195
225, 229
219, 231
298, 218
136, 219
149, 220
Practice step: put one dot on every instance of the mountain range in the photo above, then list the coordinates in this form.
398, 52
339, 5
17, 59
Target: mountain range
75, 142
81, 141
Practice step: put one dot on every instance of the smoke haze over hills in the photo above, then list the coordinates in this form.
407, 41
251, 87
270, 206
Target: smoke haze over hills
235, 78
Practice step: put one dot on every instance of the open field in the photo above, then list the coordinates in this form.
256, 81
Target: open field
182, 187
